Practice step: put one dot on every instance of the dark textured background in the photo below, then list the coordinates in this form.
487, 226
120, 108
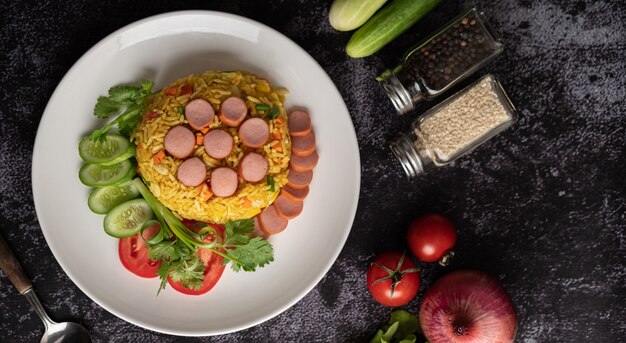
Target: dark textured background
541, 206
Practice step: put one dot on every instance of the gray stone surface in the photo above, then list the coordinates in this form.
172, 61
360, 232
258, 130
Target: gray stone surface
542, 206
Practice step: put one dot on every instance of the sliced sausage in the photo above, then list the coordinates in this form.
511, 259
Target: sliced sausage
192, 172
287, 208
299, 180
299, 123
258, 232
271, 222
253, 167
295, 194
218, 144
304, 164
233, 111
254, 132
224, 181
303, 145
179, 142
199, 113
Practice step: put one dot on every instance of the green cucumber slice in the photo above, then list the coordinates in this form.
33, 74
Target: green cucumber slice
103, 200
97, 175
104, 150
126, 220
386, 25
130, 152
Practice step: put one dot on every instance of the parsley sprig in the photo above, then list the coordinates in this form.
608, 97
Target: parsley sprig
124, 101
178, 255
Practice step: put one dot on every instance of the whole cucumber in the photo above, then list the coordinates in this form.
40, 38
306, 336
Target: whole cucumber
386, 25
347, 15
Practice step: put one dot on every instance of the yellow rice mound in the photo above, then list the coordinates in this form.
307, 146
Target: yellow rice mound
198, 203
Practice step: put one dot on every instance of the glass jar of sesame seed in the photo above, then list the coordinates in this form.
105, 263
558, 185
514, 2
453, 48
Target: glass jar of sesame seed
455, 127
448, 56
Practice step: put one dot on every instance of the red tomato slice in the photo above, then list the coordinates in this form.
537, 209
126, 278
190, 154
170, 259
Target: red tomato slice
134, 255
213, 264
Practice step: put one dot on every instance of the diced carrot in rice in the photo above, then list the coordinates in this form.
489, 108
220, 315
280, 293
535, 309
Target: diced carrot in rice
158, 157
186, 89
172, 90
277, 146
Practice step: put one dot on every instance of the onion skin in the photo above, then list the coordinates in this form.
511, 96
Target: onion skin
468, 306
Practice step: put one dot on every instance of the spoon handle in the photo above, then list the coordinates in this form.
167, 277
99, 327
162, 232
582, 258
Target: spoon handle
12, 268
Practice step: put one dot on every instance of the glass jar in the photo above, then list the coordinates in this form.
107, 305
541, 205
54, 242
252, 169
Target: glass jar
457, 50
455, 127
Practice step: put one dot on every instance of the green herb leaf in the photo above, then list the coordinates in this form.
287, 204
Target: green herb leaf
402, 327
237, 231
273, 113
257, 252
180, 110
408, 322
189, 272
124, 93
164, 250
97, 135
262, 107
125, 99
105, 107
146, 86
180, 258
163, 271
271, 183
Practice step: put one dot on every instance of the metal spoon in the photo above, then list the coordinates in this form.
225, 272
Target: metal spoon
55, 332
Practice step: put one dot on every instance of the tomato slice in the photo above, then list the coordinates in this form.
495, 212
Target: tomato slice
134, 255
213, 264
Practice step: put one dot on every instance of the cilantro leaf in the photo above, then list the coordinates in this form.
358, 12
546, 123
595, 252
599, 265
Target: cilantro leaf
146, 86
121, 94
105, 107
189, 272
244, 251
125, 99
179, 257
128, 121
238, 231
257, 252
164, 250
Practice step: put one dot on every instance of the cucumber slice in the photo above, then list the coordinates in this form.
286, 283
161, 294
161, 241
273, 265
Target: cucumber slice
104, 199
386, 25
126, 220
105, 150
130, 152
97, 175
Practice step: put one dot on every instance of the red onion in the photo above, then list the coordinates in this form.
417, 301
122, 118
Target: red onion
468, 306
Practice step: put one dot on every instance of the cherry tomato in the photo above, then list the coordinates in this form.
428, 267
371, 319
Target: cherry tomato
134, 255
392, 279
213, 264
431, 236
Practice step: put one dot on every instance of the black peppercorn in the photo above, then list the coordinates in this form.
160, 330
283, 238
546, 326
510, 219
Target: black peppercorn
460, 48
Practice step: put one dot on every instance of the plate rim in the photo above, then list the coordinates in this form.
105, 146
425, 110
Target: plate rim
38, 202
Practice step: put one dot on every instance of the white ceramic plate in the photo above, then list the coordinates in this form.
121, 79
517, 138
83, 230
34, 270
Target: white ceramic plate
164, 48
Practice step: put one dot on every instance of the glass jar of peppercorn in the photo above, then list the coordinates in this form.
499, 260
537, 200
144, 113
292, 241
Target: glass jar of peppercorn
457, 50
